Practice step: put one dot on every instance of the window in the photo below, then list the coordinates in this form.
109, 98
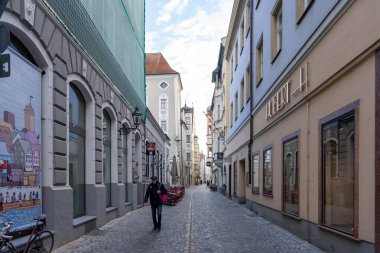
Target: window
107, 156
236, 106
188, 157
257, 3
242, 95
242, 36
290, 174
267, 173
338, 160
164, 104
163, 85
209, 153
235, 179
187, 120
276, 29
232, 68
164, 125
302, 7
188, 138
232, 115
28, 162
125, 163
259, 61
248, 17
255, 164
77, 147
218, 112
36, 159
248, 83
236, 54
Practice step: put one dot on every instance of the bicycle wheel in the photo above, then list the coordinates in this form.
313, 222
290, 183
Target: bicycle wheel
42, 242
8, 247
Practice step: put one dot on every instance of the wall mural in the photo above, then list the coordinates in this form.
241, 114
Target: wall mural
20, 143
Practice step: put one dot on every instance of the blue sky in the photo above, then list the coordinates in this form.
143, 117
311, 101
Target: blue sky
188, 33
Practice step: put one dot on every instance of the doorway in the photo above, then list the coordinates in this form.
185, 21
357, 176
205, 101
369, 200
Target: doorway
242, 182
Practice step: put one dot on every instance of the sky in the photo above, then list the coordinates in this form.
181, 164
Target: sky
188, 33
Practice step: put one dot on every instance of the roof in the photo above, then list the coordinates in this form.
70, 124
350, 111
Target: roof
157, 64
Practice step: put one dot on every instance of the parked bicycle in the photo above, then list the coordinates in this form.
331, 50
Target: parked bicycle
40, 241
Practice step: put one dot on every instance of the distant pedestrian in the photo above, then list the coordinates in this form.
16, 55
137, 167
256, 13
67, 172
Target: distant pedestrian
155, 189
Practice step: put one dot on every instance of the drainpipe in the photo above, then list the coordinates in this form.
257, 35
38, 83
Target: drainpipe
251, 101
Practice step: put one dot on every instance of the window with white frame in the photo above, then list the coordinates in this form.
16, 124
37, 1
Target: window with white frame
164, 85
232, 115
236, 54
276, 29
164, 104
248, 17
242, 94
236, 106
28, 162
164, 125
242, 36
248, 83
301, 8
259, 60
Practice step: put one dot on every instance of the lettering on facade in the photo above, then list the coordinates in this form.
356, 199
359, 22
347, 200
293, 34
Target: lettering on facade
304, 80
278, 101
281, 98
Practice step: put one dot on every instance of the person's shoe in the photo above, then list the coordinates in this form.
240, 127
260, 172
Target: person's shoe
155, 228
158, 229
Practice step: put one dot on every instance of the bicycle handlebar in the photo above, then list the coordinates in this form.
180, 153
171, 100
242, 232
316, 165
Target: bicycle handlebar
5, 230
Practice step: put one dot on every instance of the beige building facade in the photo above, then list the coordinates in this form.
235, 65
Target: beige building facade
315, 137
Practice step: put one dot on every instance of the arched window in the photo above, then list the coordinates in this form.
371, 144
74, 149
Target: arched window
77, 136
107, 156
125, 141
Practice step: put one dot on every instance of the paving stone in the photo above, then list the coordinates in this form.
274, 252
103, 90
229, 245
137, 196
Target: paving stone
203, 221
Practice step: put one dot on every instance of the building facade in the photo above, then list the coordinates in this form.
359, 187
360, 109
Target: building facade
84, 92
187, 114
157, 160
197, 174
218, 126
164, 88
315, 139
238, 100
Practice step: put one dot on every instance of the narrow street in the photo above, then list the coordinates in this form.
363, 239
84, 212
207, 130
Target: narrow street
203, 221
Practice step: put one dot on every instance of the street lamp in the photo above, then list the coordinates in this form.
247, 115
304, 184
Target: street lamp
136, 115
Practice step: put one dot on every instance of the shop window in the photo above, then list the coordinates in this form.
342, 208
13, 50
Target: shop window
107, 156
290, 174
255, 171
267, 173
338, 159
125, 162
77, 147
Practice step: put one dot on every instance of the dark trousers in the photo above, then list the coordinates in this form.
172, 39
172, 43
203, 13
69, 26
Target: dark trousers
156, 211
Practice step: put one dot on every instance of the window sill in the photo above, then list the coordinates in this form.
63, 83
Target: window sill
275, 56
339, 233
249, 29
242, 109
128, 204
292, 216
111, 209
257, 192
82, 220
247, 100
270, 195
258, 82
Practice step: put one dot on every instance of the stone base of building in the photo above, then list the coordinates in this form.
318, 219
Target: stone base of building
324, 239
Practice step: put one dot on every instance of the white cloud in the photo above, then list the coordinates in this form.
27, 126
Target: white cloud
165, 15
192, 47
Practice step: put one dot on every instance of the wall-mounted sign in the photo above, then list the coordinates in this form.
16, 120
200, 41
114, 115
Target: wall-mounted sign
282, 96
208, 164
278, 101
150, 148
5, 65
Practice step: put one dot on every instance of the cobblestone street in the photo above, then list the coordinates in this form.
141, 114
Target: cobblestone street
203, 221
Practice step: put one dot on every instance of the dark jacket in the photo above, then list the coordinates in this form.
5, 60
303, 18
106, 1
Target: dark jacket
152, 194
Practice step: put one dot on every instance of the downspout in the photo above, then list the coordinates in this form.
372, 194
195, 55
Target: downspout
251, 101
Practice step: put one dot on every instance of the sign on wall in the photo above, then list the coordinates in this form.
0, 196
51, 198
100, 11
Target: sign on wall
150, 148
20, 143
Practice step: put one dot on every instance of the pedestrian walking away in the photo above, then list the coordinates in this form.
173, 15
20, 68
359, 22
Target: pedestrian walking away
155, 189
